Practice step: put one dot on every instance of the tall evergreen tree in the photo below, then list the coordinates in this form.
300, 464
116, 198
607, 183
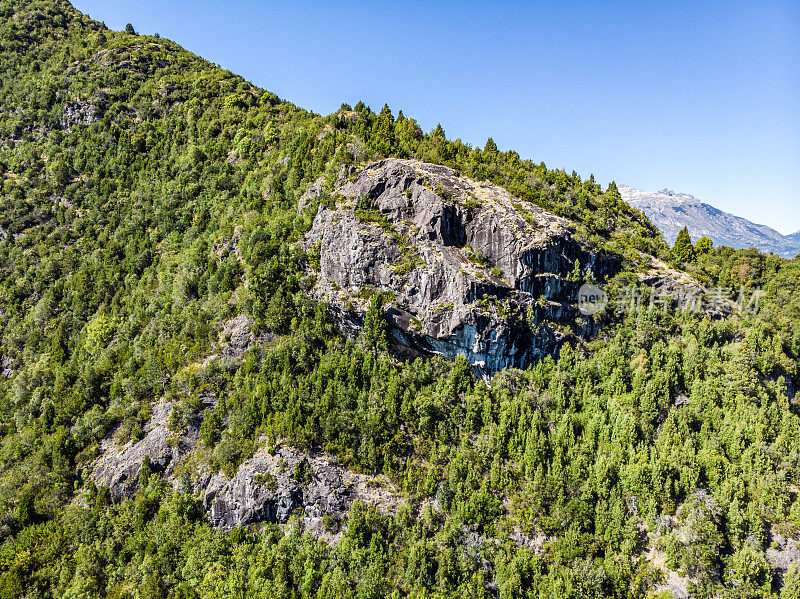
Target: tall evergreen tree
683, 250
376, 327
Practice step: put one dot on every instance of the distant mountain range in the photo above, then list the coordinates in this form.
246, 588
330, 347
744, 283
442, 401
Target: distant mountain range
671, 211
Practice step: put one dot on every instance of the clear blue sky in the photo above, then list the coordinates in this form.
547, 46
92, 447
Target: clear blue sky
700, 97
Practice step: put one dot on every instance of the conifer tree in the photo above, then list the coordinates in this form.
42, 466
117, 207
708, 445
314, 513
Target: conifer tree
683, 250
375, 325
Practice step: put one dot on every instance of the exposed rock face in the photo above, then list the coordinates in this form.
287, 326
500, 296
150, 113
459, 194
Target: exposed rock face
272, 487
225, 246
267, 487
682, 292
78, 113
473, 270
236, 339
118, 467
6, 367
784, 553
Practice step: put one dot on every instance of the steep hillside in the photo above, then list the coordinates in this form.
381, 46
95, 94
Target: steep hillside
222, 328
672, 211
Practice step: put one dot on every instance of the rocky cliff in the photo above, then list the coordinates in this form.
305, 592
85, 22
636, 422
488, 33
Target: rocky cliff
469, 269
270, 486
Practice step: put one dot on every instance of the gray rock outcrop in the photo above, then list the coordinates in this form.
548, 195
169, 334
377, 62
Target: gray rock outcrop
235, 340
267, 487
783, 554
118, 466
271, 487
471, 270
78, 113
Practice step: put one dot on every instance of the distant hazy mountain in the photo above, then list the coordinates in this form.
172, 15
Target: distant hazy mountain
672, 211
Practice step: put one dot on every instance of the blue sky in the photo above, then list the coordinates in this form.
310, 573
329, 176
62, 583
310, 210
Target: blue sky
700, 97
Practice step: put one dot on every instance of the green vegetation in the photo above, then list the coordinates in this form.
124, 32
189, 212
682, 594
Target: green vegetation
148, 196
409, 262
366, 211
683, 250
703, 246
476, 257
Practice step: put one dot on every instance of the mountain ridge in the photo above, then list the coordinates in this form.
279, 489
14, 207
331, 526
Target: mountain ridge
671, 211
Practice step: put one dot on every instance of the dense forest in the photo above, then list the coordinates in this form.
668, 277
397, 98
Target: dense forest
149, 196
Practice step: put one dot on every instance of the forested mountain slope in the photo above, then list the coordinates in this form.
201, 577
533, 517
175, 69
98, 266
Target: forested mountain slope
158, 276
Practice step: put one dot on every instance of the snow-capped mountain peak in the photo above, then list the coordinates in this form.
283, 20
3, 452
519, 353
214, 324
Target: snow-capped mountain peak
671, 211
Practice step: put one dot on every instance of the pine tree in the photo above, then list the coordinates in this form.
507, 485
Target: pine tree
683, 250
383, 131
25, 509
376, 327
